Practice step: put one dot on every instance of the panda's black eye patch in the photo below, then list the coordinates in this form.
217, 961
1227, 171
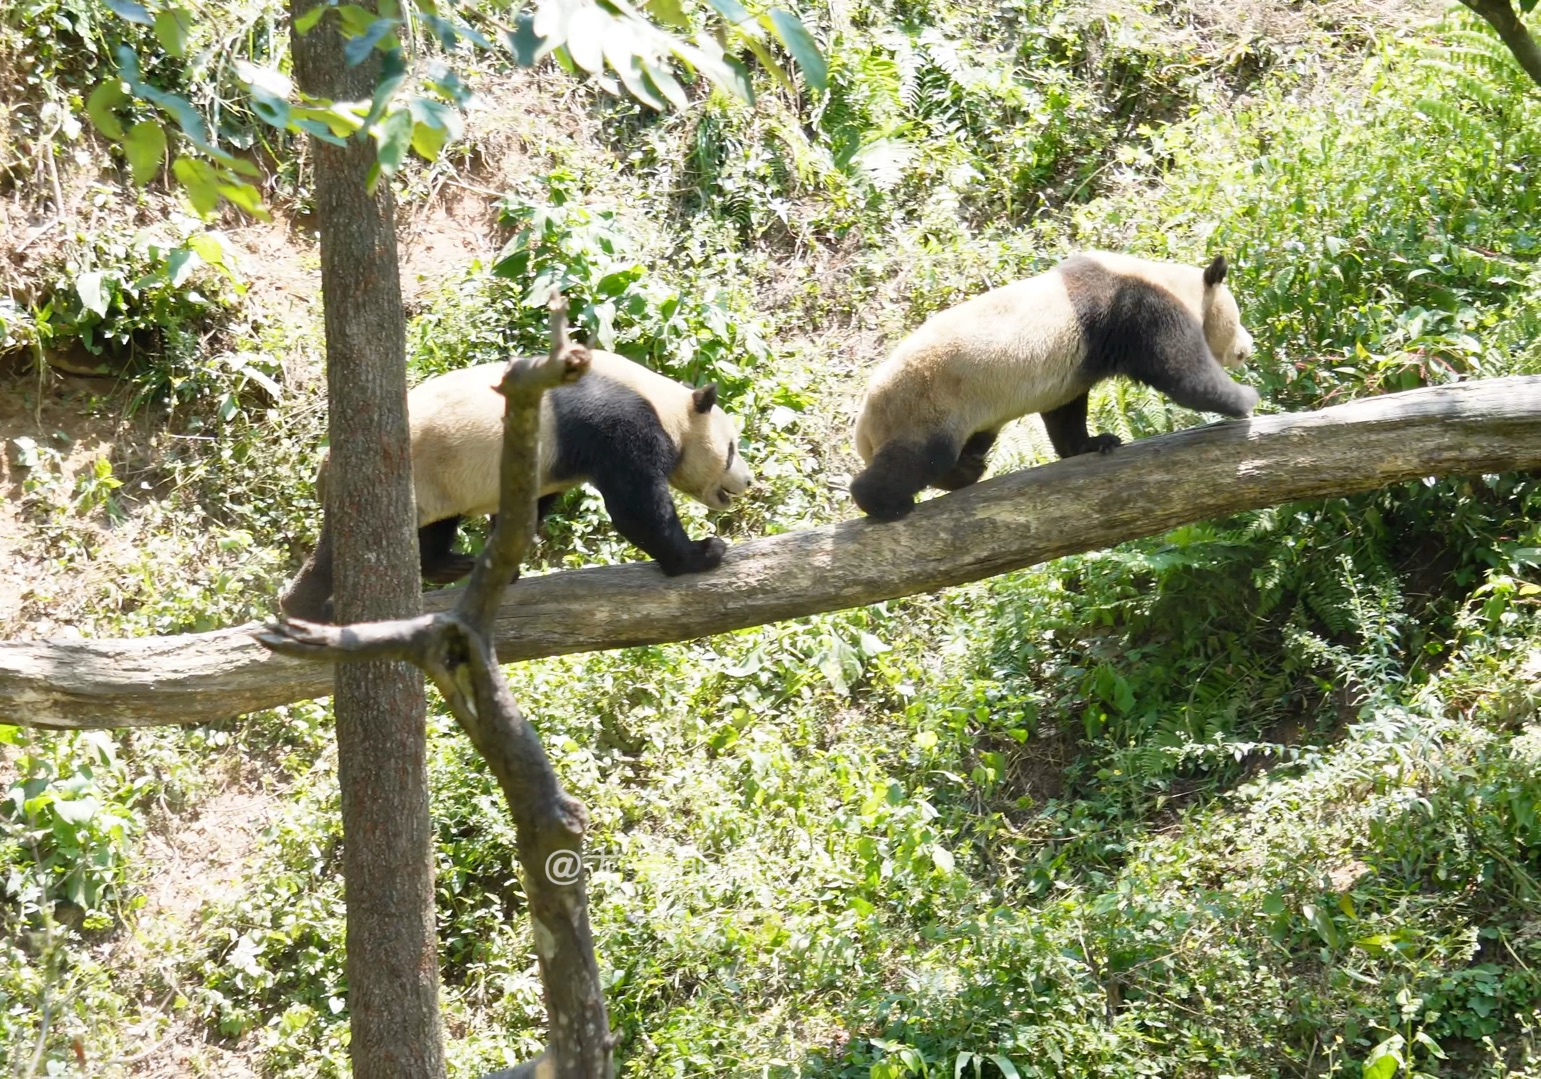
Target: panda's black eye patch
732, 449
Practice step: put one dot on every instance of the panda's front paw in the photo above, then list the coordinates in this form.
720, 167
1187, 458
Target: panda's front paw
1102, 443
1247, 400
704, 555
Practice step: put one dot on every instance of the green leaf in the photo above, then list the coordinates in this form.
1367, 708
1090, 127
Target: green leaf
768, 62
317, 129
145, 145
1382, 1067
131, 11
551, 21
1008, 1069
92, 296
306, 22
180, 264
586, 37
359, 47
76, 811
171, 29
433, 124
356, 20
393, 72
267, 79
107, 96
732, 12
621, 51
668, 12
210, 248
526, 46
187, 117
269, 109
244, 196
200, 181
799, 42
663, 80
393, 138
724, 71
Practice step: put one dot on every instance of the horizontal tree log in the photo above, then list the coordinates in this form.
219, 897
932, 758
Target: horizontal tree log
1006, 523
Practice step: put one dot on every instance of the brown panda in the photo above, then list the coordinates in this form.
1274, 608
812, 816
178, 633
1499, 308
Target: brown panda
934, 407
629, 432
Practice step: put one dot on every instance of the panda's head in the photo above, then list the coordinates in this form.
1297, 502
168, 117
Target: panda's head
710, 468
1228, 339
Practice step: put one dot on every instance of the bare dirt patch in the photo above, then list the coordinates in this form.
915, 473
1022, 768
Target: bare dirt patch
197, 860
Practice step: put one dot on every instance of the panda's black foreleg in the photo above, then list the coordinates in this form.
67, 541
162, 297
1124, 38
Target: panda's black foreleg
1189, 375
642, 510
1067, 430
439, 561
972, 462
886, 489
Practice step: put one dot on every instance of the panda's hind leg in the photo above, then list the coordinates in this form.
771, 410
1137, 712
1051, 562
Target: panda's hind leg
972, 462
1067, 430
899, 471
437, 557
309, 595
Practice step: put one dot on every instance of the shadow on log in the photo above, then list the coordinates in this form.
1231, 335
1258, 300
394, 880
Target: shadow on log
1006, 523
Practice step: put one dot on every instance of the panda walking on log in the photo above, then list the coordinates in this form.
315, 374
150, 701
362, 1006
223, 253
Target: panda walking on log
934, 407
629, 432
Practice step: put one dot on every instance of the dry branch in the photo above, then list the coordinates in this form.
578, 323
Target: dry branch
1140, 489
454, 648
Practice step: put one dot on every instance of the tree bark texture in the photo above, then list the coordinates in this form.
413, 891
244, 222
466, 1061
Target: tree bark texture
1502, 17
454, 649
392, 961
1140, 489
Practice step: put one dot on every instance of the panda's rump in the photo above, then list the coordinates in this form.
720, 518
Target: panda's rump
1011, 351
457, 439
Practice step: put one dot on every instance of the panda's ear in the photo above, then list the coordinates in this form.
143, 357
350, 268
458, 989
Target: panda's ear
1214, 273
705, 397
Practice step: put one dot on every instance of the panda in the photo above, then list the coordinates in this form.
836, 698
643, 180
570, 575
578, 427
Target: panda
933, 409
630, 432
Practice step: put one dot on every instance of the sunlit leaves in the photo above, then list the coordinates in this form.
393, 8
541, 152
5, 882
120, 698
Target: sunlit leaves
799, 42
100, 105
145, 147
93, 297
131, 11
171, 29
200, 181
611, 36
433, 124
610, 40
393, 139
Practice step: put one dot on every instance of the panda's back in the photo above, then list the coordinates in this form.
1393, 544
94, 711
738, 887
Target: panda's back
456, 421
1012, 350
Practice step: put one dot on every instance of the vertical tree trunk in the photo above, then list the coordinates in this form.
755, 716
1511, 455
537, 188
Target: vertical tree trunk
1501, 16
392, 962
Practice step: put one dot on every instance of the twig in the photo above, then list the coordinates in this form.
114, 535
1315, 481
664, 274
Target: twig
524, 382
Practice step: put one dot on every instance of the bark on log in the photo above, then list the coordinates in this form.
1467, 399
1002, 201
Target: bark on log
1012, 521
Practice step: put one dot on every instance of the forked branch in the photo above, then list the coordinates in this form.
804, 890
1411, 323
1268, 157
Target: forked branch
454, 648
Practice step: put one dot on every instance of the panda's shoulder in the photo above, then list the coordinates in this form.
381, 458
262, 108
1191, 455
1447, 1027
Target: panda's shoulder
618, 370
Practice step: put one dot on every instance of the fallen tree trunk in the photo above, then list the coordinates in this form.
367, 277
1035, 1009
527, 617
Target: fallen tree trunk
1018, 520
